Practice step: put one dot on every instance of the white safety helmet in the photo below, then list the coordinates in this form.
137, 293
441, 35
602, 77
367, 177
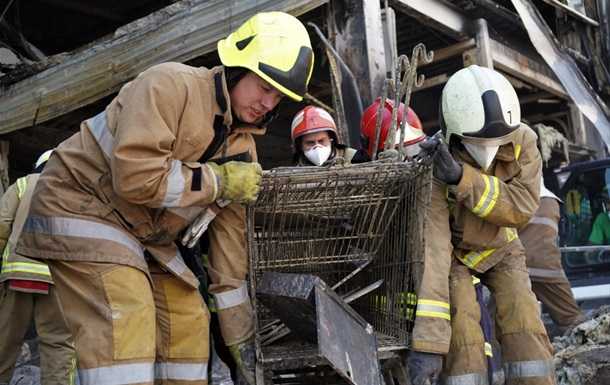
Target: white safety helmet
480, 106
43, 158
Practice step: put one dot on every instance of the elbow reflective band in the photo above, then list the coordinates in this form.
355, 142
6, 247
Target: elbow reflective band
489, 197
176, 264
232, 298
175, 185
181, 372
525, 369
73, 227
22, 185
544, 221
175, 180
118, 374
517, 151
101, 133
432, 308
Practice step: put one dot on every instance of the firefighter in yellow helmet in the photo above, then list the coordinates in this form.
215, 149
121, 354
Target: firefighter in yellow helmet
27, 292
487, 182
115, 196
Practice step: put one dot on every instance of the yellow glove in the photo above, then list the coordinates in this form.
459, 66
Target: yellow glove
237, 181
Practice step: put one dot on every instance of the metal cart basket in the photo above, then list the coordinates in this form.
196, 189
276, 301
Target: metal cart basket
354, 227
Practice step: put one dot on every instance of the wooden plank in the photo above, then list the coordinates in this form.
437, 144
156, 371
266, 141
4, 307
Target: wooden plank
450, 51
437, 14
572, 12
180, 32
432, 82
522, 67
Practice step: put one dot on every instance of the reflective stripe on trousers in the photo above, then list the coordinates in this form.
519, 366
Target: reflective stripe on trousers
175, 180
467, 379
524, 369
545, 273
73, 227
432, 308
118, 374
232, 298
182, 372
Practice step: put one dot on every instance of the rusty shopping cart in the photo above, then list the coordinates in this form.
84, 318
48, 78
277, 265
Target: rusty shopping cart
360, 230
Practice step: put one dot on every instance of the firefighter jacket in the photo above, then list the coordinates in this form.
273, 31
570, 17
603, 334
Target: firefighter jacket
539, 238
122, 188
14, 207
474, 221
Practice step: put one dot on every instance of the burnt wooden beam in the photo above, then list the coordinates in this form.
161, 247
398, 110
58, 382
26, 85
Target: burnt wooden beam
180, 32
358, 35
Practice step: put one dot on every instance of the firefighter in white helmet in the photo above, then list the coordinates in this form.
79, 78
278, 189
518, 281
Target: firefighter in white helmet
115, 196
27, 293
487, 183
315, 141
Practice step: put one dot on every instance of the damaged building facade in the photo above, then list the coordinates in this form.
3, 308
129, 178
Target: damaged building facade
61, 62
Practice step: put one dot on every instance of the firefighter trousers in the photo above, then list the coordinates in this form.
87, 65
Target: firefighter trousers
526, 350
130, 329
557, 298
57, 356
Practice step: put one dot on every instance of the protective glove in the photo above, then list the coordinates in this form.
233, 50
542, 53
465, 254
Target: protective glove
201, 223
446, 169
424, 368
237, 181
391, 154
244, 355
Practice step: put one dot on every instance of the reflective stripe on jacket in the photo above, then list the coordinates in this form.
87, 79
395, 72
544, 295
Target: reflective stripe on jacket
131, 180
475, 222
14, 207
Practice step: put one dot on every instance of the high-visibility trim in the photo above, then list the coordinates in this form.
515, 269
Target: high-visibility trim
232, 298
177, 265
118, 374
488, 199
175, 185
181, 372
511, 234
73, 227
544, 221
517, 151
546, 273
475, 280
467, 379
26, 267
433, 309
489, 352
524, 369
473, 258
99, 128
22, 185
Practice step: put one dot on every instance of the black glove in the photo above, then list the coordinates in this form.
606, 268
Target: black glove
446, 169
424, 368
244, 355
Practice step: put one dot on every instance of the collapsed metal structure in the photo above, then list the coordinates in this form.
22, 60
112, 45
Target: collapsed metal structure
360, 229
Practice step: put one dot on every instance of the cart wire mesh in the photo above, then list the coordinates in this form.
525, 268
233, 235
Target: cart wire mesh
351, 226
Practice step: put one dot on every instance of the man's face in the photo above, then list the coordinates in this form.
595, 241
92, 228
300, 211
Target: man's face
252, 98
316, 138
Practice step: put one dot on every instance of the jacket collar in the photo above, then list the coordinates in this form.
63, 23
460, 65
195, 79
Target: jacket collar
223, 105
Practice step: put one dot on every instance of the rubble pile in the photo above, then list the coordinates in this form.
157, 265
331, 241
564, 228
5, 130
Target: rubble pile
582, 357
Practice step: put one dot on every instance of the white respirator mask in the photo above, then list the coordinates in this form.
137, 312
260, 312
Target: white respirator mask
318, 154
483, 155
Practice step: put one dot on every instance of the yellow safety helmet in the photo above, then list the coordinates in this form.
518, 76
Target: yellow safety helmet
276, 47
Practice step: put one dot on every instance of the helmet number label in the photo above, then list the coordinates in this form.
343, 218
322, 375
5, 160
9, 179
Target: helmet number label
510, 117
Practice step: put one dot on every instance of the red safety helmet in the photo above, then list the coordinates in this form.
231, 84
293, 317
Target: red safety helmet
312, 119
413, 130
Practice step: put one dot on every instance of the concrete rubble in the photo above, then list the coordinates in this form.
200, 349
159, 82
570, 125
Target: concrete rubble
582, 357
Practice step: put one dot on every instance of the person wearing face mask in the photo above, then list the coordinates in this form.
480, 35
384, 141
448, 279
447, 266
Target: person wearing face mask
413, 135
115, 196
315, 140
487, 172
